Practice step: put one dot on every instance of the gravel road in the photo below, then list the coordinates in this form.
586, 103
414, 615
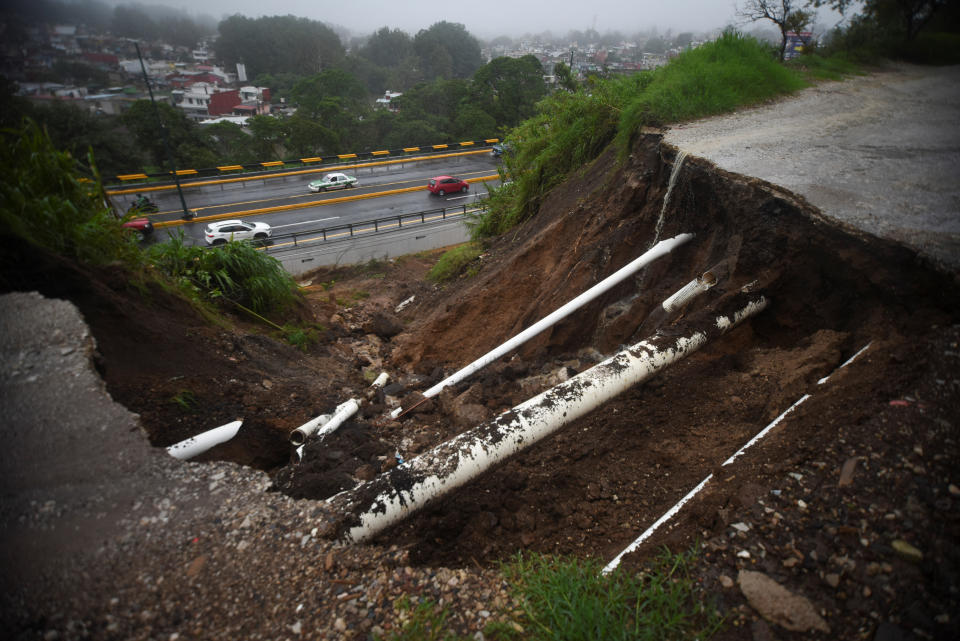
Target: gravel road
879, 152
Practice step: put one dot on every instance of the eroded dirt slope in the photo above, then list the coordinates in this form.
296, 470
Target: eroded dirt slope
598, 483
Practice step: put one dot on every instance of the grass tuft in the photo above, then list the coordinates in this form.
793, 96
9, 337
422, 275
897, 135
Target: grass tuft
570, 600
454, 261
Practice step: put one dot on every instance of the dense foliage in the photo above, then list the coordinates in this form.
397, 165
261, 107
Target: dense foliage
236, 272
49, 199
278, 44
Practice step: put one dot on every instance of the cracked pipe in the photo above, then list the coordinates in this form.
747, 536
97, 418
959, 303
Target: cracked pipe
340, 414
195, 445
694, 288
370, 507
662, 248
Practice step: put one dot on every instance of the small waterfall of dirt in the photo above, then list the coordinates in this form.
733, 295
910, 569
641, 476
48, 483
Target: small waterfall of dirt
677, 164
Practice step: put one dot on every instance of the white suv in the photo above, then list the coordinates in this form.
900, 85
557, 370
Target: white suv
222, 231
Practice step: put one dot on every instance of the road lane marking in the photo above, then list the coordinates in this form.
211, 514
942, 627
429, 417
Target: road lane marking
306, 222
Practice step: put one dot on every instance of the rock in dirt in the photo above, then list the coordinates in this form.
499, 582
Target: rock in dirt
778, 605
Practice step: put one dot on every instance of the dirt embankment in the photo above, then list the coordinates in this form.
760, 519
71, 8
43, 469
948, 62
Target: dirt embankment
793, 507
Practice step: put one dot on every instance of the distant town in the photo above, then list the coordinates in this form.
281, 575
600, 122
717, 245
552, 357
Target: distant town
102, 72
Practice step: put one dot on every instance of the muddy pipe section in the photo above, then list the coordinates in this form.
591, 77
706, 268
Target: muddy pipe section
361, 513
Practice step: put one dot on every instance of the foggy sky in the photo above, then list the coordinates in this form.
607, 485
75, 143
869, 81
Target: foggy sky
486, 18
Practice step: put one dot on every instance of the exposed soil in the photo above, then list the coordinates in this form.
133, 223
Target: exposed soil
888, 419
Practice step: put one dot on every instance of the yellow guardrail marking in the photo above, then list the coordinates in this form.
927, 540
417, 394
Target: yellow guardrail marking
230, 167
411, 148
313, 203
467, 143
272, 163
296, 172
346, 156
492, 140
132, 177
186, 172
384, 152
440, 146
306, 160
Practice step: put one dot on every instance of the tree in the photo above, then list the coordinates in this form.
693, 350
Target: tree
786, 14
231, 144
565, 77
306, 137
188, 143
278, 44
508, 88
447, 50
388, 48
908, 16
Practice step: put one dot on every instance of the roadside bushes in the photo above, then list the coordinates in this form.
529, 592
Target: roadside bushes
48, 199
236, 272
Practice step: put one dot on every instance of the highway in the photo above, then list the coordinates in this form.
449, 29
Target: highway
309, 211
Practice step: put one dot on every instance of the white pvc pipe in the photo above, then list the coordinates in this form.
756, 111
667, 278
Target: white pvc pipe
195, 445
662, 248
372, 506
299, 435
689, 291
380, 380
612, 565
341, 414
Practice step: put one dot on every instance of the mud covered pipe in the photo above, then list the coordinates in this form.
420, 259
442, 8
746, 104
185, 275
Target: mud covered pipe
371, 507
662, 248
195, 445
340, 414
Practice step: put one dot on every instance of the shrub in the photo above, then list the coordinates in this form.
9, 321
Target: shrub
49, 199
235, 271
451, 264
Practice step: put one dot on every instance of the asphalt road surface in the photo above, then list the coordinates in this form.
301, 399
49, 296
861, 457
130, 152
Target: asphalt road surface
880, 153
223, 199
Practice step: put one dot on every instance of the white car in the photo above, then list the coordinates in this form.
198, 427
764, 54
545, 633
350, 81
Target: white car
224, 231
333, 181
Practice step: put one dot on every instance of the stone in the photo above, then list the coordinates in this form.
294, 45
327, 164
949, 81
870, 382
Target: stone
906, 551
725, 581
196, 565
778, 605
365, 472
833, 580
846, 472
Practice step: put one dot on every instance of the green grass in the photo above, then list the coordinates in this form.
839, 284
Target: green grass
454, 261
186, 401
570, 600
303, 338
816, 67
721, 76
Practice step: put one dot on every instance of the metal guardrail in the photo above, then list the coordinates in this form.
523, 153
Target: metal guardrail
297, 240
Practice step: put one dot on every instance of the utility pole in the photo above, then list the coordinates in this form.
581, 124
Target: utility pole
187, 214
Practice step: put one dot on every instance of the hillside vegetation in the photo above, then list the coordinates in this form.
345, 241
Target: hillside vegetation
572, 128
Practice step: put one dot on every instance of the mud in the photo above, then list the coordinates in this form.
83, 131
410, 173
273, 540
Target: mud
595, 485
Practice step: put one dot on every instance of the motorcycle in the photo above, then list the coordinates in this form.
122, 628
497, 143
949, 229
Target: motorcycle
143, 205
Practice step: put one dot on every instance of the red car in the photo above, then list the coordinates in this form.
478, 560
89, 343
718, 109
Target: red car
443, 185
